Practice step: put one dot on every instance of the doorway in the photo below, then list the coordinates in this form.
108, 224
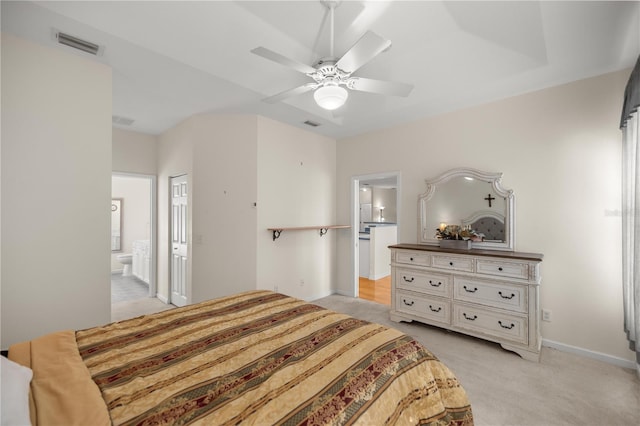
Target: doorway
133, 237
376, 213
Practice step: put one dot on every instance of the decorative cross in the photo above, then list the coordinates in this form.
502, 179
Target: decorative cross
489, 199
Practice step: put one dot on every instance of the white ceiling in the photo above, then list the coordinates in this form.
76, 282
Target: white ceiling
172, 60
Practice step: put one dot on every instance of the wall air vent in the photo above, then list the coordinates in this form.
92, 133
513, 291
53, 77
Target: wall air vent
122, 121
311, 123
78, 43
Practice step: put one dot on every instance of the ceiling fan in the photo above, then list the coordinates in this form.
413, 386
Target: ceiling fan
331, 75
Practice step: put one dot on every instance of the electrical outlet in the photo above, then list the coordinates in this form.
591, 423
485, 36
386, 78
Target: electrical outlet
546, 315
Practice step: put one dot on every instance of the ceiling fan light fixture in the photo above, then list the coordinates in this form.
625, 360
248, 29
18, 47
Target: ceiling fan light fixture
330, 96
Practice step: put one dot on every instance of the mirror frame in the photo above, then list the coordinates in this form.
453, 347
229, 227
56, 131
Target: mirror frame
425, 236
121, 203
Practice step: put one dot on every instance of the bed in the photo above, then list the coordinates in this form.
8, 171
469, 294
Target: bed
488, 223
256, 358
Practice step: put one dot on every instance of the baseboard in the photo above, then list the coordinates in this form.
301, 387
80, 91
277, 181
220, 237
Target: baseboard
379, 277
163, 299
318, 296
609, 359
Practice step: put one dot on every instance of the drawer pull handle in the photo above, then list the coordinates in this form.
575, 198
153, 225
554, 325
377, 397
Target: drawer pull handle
470, 291
408, 280
435, 310
506, 297
473, 318
450, 263
508, 327
434, 284
407, 303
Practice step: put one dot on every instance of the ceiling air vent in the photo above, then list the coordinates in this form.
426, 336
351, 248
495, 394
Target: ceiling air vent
122, 121
78, 43
311, 123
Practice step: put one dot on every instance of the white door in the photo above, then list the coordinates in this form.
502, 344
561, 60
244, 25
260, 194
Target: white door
179, 240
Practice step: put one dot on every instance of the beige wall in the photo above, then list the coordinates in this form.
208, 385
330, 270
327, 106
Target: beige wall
56, 189
134, 152
224, 188
234, 161
218, 154
559, 150
296, 187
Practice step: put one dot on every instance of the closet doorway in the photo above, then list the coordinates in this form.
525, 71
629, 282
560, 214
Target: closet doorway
133, 239
375, 222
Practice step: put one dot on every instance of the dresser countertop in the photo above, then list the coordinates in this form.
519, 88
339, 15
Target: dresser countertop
472, 252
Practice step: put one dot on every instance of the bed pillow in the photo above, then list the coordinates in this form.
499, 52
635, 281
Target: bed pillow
14, 387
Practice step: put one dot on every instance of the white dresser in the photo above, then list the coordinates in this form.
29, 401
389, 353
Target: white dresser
488, 294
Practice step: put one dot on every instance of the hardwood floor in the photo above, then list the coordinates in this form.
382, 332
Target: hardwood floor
378, 291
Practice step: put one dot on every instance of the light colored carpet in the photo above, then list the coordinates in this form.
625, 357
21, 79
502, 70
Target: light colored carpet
504, 389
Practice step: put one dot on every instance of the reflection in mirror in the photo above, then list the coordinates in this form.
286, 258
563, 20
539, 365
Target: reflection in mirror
116, 224
469, 204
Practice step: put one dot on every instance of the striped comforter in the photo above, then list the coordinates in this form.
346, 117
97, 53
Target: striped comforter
263, 358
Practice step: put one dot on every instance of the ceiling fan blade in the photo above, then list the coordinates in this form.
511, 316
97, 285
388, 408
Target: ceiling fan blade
289, 93
283, 60
378, 86
365, 49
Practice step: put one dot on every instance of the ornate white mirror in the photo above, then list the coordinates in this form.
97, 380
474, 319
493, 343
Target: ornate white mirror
468, 199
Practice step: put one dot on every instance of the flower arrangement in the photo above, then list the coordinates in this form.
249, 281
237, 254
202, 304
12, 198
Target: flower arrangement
457, 232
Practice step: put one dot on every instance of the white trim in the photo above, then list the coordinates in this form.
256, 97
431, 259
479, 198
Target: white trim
162, 298
355, 240
609, 359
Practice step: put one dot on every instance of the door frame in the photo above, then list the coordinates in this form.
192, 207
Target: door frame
153, 284
355, 220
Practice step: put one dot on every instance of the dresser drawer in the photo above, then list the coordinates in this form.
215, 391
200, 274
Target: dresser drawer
464, 264
505, 296
423, 282
434, 308
503, 269
413, 258
503, 326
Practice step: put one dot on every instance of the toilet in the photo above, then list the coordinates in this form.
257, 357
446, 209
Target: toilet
126, 260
